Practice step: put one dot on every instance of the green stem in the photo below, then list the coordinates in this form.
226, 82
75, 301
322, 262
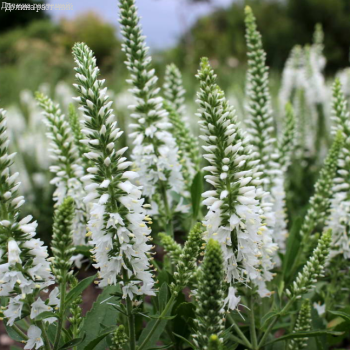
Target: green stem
61, 313
20, 332
40, 324
169, 229
239, 332
131, 323
162, 315
253, 337
273, 322
236, 339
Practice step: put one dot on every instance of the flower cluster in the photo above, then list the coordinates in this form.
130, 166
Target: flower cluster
62, 241
320, 202
314, 267
237, 217
155, 152
260, 123
173, 248
74, 123
118, 220
302, 324
24, 268
260, 127
339, 218
292, 76
68, 167
187, 264
174, 94
210, 296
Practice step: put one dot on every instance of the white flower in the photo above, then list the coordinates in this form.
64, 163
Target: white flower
53, 298
239, 214
13, 252
117, 224
34, 338
232, 300
38, 307
14, 310
320, 308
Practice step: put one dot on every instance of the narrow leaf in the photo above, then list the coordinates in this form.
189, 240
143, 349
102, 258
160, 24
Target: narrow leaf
78, 289
308, 334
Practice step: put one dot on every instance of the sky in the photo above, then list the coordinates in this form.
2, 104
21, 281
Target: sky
163, 21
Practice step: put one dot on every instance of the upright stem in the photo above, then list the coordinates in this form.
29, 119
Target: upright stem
239, 332
169, 223
268, 330
131, 323
19, 331
253, 337
41, 325
162, 315
61, 313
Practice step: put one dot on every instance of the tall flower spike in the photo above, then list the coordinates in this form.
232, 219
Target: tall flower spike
286, 147
287, 143
155, 151
261, 126
174, 93
187, 263
62, 240
119, 338
320, 202
209, 297
292, 76
75, 309
260, 123
173, 248
173, 88
24, 269
302, 324
118, 219
340, 204
74, 123
313, 269
67, 168
235, 217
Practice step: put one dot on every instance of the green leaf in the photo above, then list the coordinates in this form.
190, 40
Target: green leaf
267, 317
308, 334
72, 343
83, 249
157, 333
344, 315
196, 194
101, 315
45, 314
92, 345
163, 296
185, 340
12, 333
78, 289
185, 313
292, 248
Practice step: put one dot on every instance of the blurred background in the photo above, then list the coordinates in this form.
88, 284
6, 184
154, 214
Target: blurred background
35, 47
35, 54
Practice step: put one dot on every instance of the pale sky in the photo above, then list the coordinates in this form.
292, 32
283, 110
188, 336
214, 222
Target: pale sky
163, 21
